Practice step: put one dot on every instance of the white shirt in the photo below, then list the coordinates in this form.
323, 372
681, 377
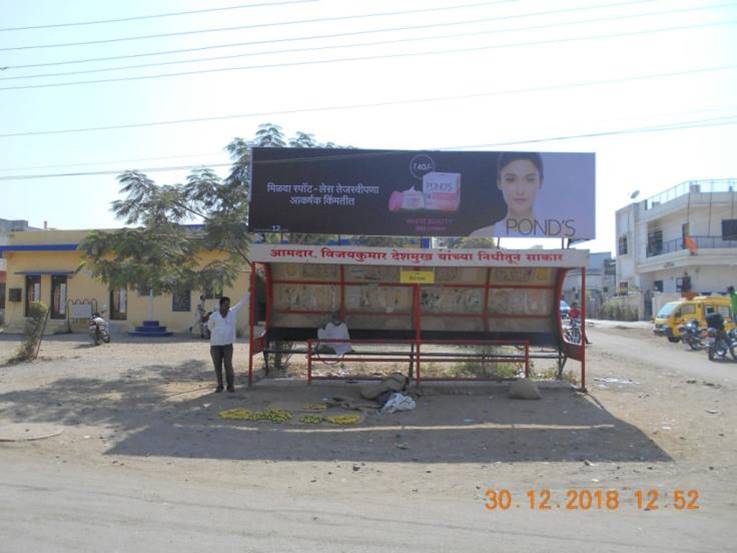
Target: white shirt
222, 329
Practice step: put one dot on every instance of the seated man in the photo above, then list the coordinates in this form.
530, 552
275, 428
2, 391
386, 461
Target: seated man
336, 329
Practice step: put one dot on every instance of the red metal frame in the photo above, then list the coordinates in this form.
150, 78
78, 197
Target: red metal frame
414, 356
251, 313
269, 292
574, 351
583, 329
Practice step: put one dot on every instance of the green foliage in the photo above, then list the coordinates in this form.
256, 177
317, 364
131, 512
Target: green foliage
32, 332
160, 252
551, 373
616, 311
390, 241
482, 366
472, 242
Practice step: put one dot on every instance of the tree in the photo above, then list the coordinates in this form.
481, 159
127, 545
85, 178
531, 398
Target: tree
169, 226
270, 135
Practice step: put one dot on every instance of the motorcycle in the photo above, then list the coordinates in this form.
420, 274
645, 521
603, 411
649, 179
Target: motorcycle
718, 341
693, 336
99, 329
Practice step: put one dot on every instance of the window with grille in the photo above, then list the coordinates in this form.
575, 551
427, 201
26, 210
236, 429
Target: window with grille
181, 300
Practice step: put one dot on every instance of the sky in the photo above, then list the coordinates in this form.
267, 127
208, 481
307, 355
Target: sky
463, 74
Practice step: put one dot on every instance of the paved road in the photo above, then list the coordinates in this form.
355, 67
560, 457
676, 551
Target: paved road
49, 508
638, 345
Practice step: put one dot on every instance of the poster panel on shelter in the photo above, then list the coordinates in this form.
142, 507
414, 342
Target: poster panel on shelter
411, 193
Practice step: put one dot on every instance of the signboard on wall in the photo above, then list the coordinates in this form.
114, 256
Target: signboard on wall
416, 276
422, 193
415, 258
81, 310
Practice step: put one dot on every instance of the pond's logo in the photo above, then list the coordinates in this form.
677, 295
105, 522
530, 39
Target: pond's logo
420, 165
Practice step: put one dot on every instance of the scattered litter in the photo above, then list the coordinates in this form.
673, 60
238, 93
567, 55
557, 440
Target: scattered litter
27, 432
666, 427
398, 402
613, 380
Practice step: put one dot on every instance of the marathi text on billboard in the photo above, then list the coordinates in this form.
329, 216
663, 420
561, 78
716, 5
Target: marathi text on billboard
405, 193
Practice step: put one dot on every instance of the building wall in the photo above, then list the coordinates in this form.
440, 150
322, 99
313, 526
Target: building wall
711, 270
705, 280
81, 285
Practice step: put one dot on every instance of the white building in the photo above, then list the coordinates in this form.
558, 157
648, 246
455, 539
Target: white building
681, 240
600, 282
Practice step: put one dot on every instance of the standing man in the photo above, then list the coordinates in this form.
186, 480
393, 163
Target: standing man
222, 336
733, 298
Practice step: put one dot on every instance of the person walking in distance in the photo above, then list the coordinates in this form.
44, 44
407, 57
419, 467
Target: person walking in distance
733, 300
222, 336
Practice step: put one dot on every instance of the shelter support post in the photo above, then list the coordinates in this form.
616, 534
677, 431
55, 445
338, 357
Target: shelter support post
309, 361
583, 329
251, 314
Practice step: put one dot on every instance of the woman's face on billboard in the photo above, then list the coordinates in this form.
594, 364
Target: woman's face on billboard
519, 182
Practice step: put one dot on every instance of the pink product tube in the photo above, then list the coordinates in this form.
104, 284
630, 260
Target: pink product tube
395, 201
442, 191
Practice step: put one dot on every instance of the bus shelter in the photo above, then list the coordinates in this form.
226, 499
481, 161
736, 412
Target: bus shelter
410, 299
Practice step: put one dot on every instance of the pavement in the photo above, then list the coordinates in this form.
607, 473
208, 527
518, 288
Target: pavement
48, 508
634, 343
253, 489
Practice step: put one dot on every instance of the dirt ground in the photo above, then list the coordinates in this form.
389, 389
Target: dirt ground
149, 409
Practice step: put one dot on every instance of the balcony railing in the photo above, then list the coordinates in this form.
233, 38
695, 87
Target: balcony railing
677, 244
696, 186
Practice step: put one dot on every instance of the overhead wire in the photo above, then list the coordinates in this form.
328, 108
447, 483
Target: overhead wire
324, 36
223, 152
681, 125
156, 16
256, 26
373, 104
372, 57
109, 162
364, 44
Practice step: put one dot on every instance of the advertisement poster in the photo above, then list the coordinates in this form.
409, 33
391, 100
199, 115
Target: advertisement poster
411, 193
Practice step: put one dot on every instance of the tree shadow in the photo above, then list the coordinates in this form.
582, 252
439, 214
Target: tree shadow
171, 411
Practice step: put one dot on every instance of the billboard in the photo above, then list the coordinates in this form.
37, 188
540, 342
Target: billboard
422, 193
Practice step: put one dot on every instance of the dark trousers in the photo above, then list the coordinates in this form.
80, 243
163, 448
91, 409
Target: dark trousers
220, 354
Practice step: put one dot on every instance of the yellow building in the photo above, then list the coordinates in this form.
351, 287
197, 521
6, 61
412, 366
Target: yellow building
42, 265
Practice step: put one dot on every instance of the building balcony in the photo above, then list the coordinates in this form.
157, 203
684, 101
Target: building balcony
677, 244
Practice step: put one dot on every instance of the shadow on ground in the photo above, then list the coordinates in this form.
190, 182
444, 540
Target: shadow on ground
171, 411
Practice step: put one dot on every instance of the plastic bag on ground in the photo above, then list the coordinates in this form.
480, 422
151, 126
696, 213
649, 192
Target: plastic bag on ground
398, 402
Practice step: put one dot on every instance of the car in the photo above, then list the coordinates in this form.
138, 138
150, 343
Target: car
675, 313
564, 309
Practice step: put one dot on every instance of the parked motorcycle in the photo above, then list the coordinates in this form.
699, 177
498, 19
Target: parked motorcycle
693, 336
718, 341
99, 329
